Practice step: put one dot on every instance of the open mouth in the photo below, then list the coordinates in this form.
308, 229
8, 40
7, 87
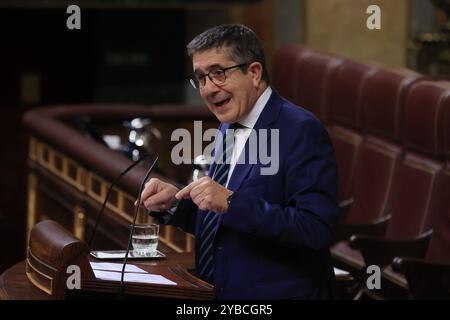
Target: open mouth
222, 103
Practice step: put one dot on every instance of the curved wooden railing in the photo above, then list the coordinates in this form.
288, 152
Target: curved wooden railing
69, 173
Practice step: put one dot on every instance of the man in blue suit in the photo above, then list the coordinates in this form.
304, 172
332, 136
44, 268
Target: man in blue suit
259, 234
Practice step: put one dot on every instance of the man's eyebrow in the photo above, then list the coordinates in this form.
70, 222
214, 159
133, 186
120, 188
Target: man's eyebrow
213, 66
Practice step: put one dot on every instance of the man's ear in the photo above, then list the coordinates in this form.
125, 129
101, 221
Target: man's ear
255, 69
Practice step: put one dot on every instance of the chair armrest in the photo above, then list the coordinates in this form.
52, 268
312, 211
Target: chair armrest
425, 280
381, 252
344, 207
376, 229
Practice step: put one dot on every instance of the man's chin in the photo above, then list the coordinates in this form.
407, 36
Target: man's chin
225, 118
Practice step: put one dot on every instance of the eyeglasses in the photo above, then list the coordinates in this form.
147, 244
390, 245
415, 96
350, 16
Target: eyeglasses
217, 76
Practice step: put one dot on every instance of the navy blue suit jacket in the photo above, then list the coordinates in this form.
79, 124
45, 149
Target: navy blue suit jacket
273, 242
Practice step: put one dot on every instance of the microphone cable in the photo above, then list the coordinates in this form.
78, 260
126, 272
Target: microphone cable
136, 208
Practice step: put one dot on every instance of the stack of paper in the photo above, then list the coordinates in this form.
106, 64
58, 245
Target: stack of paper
112, 271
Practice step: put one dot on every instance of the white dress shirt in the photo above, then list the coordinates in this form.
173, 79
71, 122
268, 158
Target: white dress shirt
248, 122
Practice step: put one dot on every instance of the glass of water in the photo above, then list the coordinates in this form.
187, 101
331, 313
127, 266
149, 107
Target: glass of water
145, 239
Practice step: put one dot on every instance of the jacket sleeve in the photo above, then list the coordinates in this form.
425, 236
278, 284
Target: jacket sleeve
309, 215
183, 216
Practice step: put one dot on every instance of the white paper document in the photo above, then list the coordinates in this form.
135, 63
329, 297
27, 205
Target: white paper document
112, 271
133, 277
110, 255
107, 266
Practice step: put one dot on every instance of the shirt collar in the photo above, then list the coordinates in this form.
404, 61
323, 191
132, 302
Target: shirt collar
250, 119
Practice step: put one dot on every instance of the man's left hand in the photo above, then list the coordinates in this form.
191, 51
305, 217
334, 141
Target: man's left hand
207, 194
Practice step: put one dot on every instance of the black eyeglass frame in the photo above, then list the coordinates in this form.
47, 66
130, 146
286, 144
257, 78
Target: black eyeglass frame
197, 83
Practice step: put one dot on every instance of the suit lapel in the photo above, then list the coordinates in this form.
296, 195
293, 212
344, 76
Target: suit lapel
269, 114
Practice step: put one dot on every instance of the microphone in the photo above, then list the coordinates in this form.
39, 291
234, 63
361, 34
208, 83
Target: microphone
136, 208
94, 231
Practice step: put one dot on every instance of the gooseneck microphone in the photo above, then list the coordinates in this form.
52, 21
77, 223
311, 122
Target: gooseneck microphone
136, 208
100, 213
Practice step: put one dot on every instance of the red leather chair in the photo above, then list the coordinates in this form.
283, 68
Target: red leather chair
343, 96
313, 78
430, 277
377, 169
420, 171
283, 73
378, 163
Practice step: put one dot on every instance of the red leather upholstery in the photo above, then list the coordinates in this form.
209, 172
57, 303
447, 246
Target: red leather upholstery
283, 73
375, 181
438, 251
346, 144
313, 76
423, 125
344, 93
385, 89
391, 134
344, 99
384, 177
380, 155
422, 166
439, 247
415, 201
446, 125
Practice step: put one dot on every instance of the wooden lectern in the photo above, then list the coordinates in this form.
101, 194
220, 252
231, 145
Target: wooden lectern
52, 249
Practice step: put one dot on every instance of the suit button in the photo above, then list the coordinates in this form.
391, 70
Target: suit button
219, 248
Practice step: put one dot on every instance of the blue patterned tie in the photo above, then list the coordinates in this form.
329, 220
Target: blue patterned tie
205, 267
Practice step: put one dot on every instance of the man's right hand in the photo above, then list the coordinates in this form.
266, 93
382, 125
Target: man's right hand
158, 195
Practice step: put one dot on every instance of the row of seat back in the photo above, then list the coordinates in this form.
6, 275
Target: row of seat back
428, 278
399, 171
283, 73
350, 98
346, 91
422, 164
379, 157
313, 71
439, 247
386, 127
373, 112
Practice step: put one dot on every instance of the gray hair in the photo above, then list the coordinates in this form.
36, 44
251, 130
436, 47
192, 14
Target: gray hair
243, 44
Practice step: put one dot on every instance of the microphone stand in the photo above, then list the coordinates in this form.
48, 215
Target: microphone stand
136, 208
